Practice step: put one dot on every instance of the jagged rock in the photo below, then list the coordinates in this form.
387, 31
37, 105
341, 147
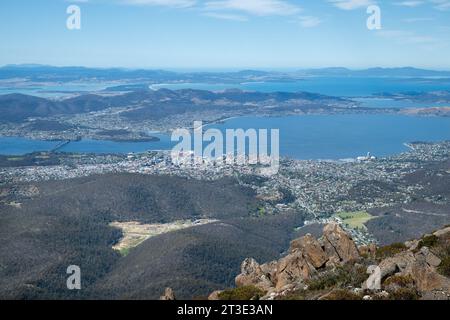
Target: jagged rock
443, 232
368, 250
398, 263
252, 275
168, 295
250, 267
308, 256
311, 249
293, 268
421, 266
423, 271
412, 245
338, 244
214, 296
333, 261
427, 279
269, 269
430, 258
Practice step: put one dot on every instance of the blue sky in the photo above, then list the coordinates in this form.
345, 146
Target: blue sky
226, 34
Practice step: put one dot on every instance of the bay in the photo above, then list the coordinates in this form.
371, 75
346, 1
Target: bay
334, 86
301, 137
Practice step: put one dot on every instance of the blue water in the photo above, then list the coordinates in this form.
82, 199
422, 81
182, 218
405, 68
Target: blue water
301, 137
57, 90
20, 146
350, 87
346, 136
401, 104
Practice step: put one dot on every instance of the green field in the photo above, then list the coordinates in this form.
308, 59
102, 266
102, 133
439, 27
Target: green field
355, 220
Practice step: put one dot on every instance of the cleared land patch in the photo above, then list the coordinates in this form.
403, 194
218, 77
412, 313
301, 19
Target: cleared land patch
134, 233
355, 220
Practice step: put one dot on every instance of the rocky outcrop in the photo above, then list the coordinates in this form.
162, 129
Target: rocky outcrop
214, 296
293, 268
368, 251
252, 274
420, 265
168, 295
338, 244
423, 271
396, 264
311, 249
306, 257
442, 233
407, 273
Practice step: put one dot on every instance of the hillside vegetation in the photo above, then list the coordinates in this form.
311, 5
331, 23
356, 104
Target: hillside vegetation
62, 223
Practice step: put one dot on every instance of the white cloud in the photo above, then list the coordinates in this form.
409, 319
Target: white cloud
254, 7
225, 16
350, 4
410, 4
165, 3
441, 4
309, 21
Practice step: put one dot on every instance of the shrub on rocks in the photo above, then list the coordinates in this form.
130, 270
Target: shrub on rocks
391, 250
242, 293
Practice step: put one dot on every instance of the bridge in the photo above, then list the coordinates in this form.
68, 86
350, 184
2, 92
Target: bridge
64, 143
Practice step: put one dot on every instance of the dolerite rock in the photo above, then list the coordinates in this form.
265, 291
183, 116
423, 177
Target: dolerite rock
250, 272
427, 279
311, 249
368, 251
339, 246
412, 244
401, 262
430, 258
253, 275
442, 232
306, 257
423, 271
214, 296
309, 258
293, 268
168, 295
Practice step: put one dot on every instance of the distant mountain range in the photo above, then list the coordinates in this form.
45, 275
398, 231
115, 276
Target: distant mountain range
161, 103
377, 72
50, 73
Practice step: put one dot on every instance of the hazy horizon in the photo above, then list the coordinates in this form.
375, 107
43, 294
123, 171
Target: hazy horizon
221, 69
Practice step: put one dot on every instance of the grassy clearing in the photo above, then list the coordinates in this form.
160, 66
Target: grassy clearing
355, 220
134, 233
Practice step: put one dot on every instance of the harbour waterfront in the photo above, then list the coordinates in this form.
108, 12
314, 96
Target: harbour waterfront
346, 136
301, 137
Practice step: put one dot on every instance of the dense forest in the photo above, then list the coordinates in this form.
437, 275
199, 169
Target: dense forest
67, 223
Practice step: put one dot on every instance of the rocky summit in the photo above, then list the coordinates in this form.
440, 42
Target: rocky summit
334, 268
